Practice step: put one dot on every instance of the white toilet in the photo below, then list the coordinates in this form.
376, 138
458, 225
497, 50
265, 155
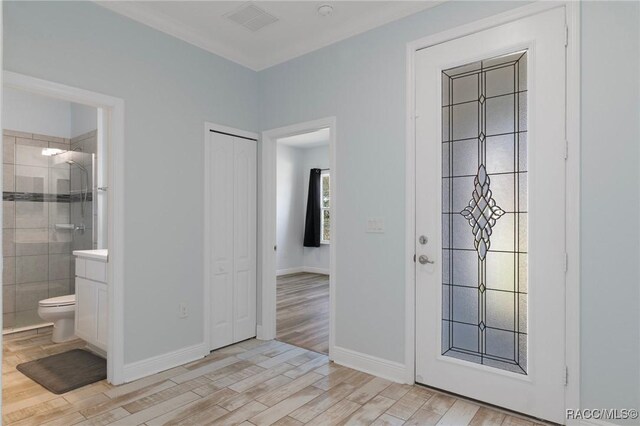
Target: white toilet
61, 312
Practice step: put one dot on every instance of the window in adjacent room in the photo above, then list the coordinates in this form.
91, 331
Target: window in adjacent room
325, 203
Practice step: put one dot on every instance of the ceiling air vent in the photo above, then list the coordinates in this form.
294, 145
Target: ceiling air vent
251, 17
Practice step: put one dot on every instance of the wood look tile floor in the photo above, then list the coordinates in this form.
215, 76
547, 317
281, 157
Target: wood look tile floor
302, 317
249, 383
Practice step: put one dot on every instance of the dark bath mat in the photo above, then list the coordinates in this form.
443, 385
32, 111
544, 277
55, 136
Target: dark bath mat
67, 371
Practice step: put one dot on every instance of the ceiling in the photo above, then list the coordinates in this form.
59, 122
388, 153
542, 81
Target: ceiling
307, 140
299, 27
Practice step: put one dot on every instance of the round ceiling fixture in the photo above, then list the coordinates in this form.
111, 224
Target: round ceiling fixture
325, 10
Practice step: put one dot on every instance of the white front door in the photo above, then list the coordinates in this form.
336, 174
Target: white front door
490, 222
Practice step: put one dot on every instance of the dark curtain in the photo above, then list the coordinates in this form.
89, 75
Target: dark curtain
312, 223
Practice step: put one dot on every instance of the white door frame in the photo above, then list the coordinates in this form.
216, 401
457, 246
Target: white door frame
206, 309
267, 230
114, 111
572, 324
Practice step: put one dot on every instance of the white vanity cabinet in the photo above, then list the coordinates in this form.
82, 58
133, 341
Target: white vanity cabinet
92, 297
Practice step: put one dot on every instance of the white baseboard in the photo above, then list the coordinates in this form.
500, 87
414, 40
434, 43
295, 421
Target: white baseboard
300, 269
156, 364
96, 350
313, 270
369, 364
259, 333
288, 271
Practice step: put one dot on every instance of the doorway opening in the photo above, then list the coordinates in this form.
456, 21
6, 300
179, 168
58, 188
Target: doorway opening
62, 232
51, 201
298, 235
303, 238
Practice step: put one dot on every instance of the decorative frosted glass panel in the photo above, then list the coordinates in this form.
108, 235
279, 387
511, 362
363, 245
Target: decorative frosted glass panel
484, 212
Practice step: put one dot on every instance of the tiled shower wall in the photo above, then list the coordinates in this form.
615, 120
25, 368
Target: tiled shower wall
37, 257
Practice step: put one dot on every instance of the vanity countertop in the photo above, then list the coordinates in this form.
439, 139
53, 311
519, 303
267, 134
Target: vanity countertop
102, 254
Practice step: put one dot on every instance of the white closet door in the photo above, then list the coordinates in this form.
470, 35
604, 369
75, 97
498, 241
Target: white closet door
231, 165
221, 270
244, 228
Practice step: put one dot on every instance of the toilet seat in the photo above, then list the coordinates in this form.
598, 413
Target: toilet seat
67, 300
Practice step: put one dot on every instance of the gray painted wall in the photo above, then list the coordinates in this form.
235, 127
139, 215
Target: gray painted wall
83, 119
33, 113
610, 204
170, 88
289, 214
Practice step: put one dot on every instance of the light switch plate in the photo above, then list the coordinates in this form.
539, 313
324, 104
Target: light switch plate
375, 225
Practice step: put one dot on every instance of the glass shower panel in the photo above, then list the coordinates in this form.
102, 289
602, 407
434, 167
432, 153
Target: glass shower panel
82, 199
37, 233
484, 212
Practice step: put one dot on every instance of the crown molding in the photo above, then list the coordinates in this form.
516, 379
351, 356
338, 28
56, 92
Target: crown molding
357, 27
166, 24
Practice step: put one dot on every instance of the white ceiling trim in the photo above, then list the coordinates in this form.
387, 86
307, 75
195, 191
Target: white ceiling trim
357, 27
172, 27
168, 25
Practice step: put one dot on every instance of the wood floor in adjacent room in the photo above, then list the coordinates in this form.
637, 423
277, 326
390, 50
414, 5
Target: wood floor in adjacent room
303, 311
250, 383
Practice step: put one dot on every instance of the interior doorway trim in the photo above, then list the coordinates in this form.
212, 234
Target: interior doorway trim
267, 227
113, 116
572, 207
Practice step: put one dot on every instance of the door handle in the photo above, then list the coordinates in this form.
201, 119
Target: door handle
424, 260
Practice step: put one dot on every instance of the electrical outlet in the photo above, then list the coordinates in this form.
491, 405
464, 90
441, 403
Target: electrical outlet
183, 312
